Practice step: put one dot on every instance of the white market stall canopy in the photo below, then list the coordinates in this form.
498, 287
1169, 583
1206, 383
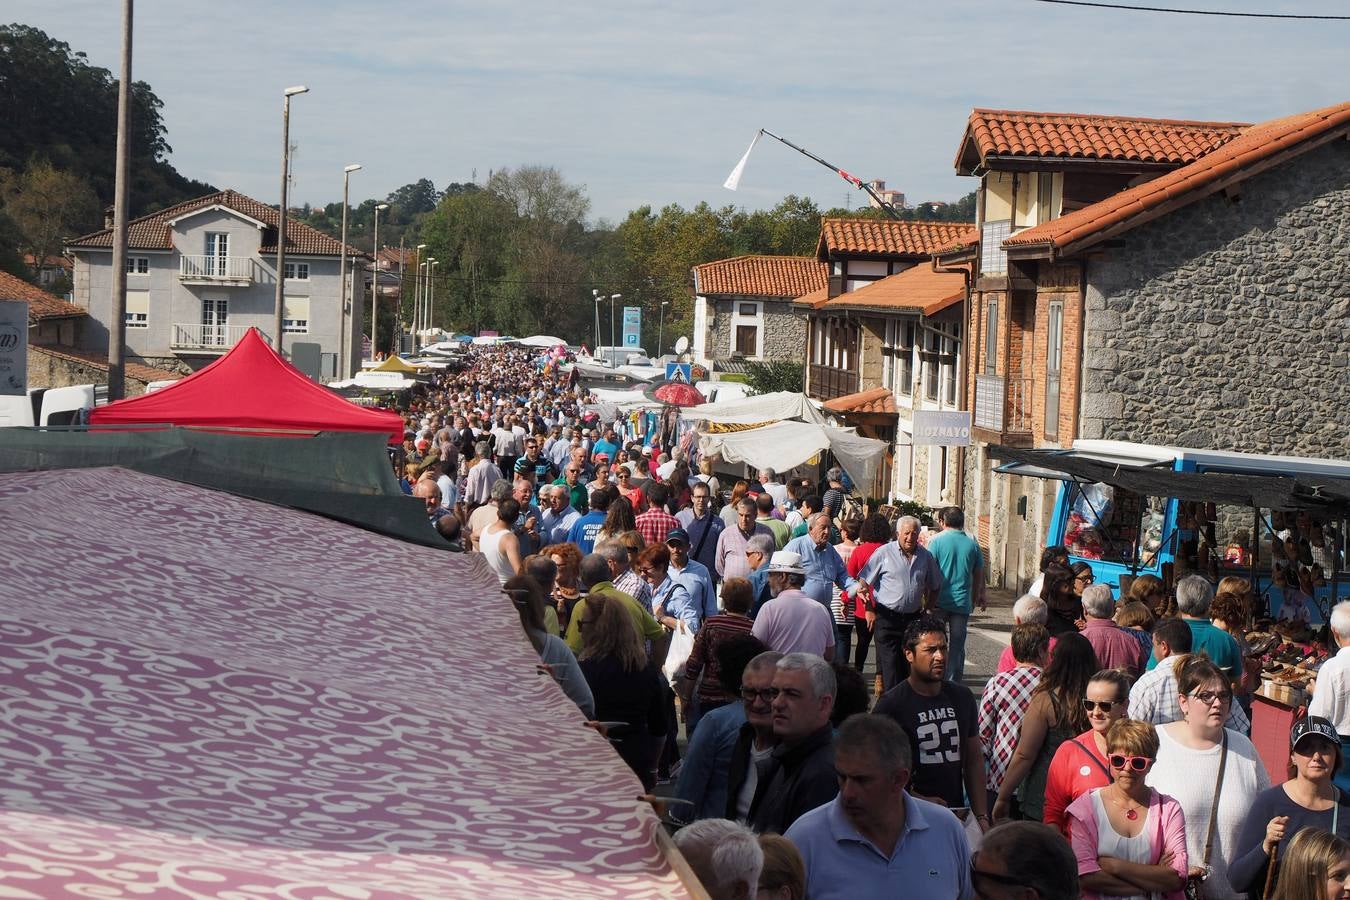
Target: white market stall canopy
774, 407
547, 341
612, 403
783, 445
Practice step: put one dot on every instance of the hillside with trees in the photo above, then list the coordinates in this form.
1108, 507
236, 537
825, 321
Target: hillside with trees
57, 149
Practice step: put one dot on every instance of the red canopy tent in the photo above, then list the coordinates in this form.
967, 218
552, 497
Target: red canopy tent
253, 387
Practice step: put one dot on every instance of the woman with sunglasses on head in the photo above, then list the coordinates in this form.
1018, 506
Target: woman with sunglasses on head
1317, 867
1309, 799
1130, 840
1080, 764
1054, 716
1213, 772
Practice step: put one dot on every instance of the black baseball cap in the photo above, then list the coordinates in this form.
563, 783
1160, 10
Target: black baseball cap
1313, 726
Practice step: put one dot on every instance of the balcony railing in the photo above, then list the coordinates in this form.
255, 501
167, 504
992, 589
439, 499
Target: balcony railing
207, 337
1002, 405
216, 269
828, 382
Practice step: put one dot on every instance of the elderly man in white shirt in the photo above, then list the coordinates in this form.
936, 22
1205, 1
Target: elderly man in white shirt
1331, 692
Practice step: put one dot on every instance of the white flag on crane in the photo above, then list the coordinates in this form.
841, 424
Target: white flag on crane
734, 179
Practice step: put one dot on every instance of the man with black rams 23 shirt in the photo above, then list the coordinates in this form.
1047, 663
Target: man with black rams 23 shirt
940, 719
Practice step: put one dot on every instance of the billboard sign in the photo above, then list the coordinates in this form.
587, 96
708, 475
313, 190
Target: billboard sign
13, 347
941, 429
632, 326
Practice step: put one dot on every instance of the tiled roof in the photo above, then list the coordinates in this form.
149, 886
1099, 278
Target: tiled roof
815, 299
134, 370
919, 289
877, 400
51, 262
41, 305
392, 257
1239, 158
1002, 132
761, 276
153, 232
886, 237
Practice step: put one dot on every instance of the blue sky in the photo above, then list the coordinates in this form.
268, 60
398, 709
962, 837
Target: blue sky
653, 103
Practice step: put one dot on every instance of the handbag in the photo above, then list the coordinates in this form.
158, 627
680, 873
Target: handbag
681, 645
1195, 883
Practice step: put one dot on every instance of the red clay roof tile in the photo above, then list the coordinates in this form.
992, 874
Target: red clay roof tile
152, 232
918, 289
1004, 132
41, 305
886, 237
875, 400
1141, 203
761, 276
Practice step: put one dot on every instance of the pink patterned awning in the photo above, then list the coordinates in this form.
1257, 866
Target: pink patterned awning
206, 696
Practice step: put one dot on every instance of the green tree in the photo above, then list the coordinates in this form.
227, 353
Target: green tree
775, 375
48, 207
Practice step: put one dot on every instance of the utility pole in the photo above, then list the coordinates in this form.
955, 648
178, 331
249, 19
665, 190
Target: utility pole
344, 350
375, 282
117, 329
278, 312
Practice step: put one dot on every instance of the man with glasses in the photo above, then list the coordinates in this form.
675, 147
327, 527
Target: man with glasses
535, 464
1153, 698
558, 517
703, 526
1024, 861
875, 840
756, 739
758, 552
572, 484
732, 543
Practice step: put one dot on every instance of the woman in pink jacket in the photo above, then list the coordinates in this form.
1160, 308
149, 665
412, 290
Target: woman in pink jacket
1129, 839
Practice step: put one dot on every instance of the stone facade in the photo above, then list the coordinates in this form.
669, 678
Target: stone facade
783, 334
1226, 324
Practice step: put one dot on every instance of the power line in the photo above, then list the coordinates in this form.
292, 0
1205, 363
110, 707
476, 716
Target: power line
1195, 12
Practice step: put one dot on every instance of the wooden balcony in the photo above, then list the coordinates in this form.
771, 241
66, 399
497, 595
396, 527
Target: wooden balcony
1003, 409
828, 382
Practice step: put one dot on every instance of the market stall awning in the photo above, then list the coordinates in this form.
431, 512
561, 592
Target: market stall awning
783, 445
207, 696
395, 364
1267, 491
775, 407
544, 341
251, 387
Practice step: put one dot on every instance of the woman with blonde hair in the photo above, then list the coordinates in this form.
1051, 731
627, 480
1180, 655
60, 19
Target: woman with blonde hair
783, 876
627, 687
1317, 867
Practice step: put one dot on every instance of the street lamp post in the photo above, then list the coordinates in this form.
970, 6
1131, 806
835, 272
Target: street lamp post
422, 282
612, 298
344, 347
277, 313
661, 331
417, 294
432, 263
596, 295
375, 282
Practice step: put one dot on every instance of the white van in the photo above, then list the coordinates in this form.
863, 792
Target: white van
46, 406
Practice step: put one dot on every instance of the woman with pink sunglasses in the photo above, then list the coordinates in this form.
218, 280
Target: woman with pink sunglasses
1130, 840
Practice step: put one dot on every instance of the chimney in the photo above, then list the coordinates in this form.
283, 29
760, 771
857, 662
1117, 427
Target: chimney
836, 286
108, 216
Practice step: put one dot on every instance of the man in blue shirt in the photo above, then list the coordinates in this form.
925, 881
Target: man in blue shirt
1194, 594
696, 577
703, 526
824, 568
958, 557
583, 530
906, 581
558, 517
874, 840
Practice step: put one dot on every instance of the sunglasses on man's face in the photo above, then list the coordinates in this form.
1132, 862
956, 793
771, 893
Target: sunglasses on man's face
1134, 763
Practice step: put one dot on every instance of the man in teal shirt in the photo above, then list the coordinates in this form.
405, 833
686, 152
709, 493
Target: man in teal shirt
962, 565
1194, 594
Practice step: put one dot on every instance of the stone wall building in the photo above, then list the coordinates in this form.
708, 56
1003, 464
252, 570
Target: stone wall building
743, 309
1175, 283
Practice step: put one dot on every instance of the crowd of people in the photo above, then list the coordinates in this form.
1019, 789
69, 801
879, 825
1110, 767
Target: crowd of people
1107, 757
